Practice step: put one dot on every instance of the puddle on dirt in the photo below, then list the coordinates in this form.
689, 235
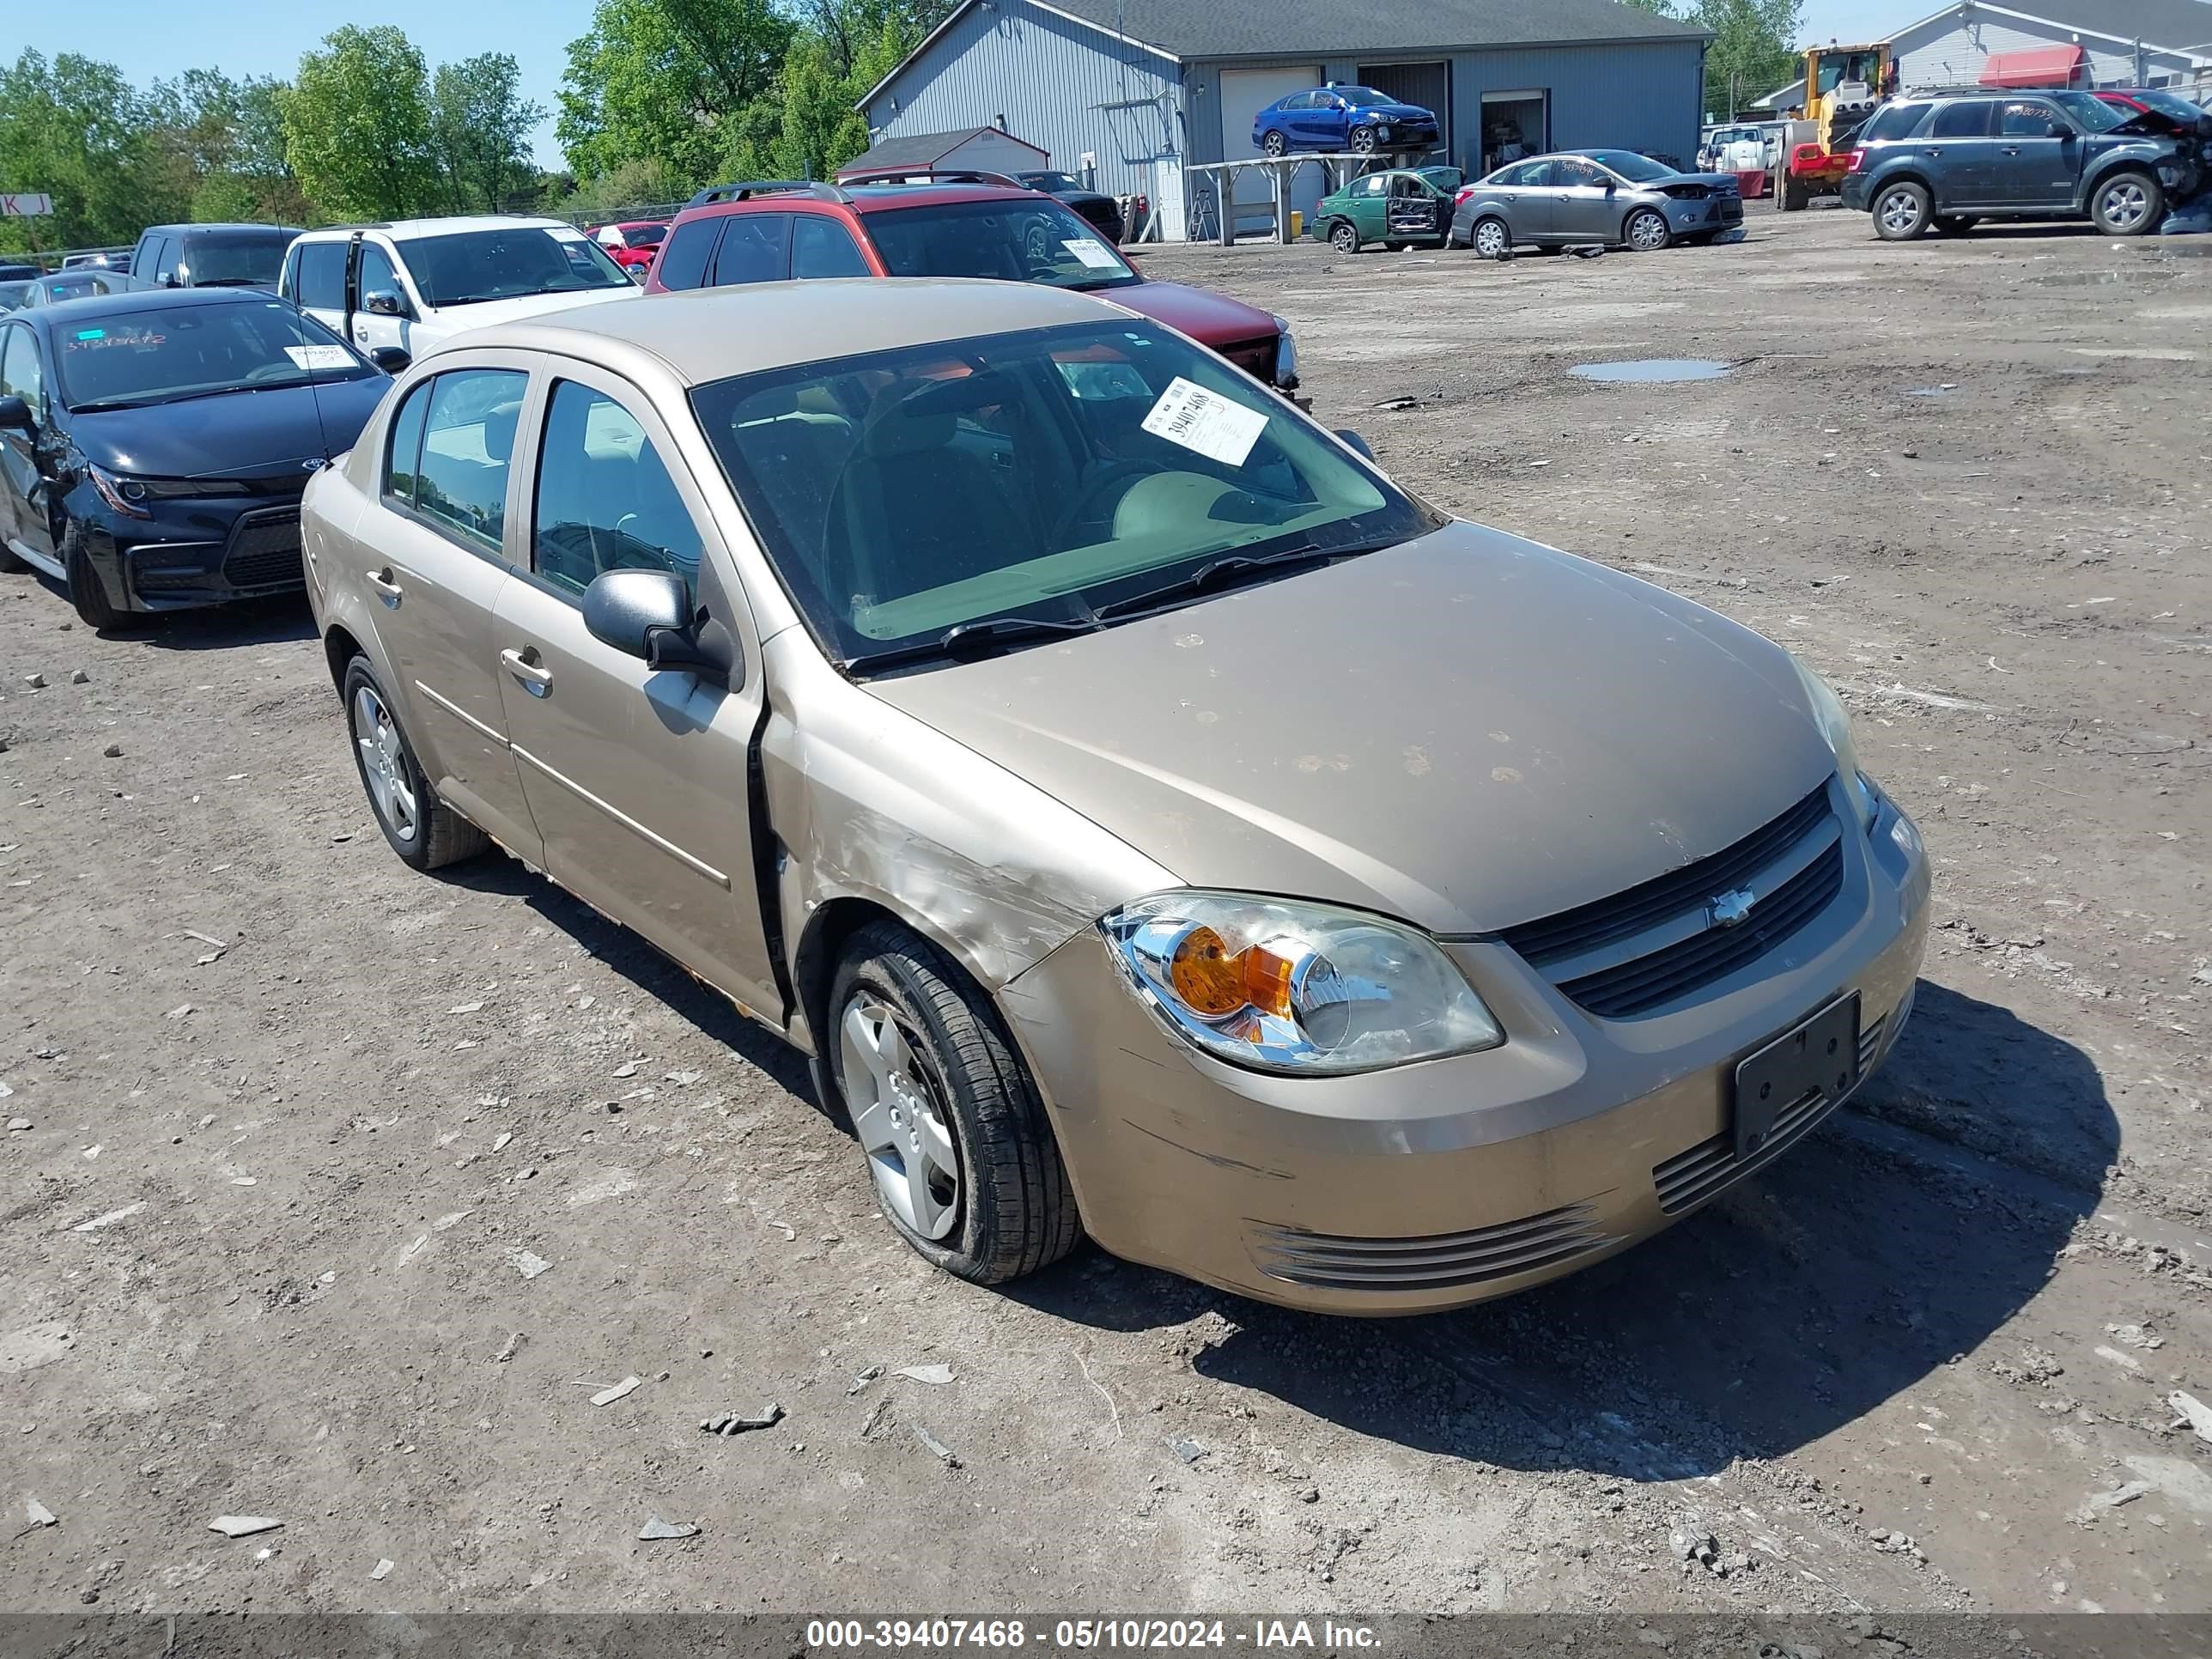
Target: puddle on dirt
1648, 370
1931, 392
2103, 278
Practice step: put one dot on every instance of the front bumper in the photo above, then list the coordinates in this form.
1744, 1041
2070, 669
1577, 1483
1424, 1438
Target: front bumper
259, 556
1450, 1182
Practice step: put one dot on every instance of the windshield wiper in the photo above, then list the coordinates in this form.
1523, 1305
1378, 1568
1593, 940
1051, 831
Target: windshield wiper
974, 639
1235, 570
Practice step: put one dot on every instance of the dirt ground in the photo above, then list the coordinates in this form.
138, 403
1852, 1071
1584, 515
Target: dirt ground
297, 1115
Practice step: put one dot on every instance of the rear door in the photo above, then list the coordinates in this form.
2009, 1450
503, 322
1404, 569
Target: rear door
1369, 199
636, 777
2038, 158
437, 547
1529, 203
1961, 156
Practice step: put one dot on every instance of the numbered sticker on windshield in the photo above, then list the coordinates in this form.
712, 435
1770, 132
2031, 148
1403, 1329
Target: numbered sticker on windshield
313, 357
1097, 255
1214, 426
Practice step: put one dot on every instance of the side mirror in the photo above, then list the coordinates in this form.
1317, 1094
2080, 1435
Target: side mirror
383, 302
15, 415
393, 360
2056, 129
1355, 442
647, 614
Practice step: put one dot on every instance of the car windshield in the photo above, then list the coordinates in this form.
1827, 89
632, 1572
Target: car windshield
1032, 239
1363, 97
1637, 169
2090, 113
643, 235
129, 359
1041, 478
11, 294
1049, 181
469, 267
217, 260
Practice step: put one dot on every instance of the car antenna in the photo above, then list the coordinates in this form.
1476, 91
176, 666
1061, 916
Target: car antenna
314, 386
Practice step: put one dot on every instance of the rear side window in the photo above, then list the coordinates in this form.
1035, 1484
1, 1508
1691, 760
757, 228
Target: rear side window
820, 246
683, 261
322, 276
1893, 121
1961, 121
468, 443
756, 248
402, 460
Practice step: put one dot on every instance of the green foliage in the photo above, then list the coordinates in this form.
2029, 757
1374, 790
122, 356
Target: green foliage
77, 130
643, 182
657, 78
1752, 50
480, 126
357, 126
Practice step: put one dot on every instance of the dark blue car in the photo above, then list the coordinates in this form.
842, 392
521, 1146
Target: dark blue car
154, 444
1357, 118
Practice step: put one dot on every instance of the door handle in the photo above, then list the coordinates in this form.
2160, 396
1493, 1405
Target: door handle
538, 678
2012, 149
384, 588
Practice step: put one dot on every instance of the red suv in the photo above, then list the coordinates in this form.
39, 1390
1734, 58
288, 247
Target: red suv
949, 224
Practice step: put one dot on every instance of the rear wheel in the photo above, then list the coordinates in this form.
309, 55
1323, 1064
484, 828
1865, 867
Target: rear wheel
423, 829
954, 1134
1956, 224
1274, 143
1490, 238
2128, 205
1901, 212
1646, 231
1344, 236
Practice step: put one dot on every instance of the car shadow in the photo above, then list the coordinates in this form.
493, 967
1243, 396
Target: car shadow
273, 620
1842, 1274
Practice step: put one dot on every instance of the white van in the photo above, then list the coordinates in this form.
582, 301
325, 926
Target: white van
397, 290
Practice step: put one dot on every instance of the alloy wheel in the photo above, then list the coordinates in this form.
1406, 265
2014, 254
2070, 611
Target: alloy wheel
1273, 143
1647, 232
1489, 238
1900, 211
1345, 238
2123, 204
898, 1112
383, 765
1363, 140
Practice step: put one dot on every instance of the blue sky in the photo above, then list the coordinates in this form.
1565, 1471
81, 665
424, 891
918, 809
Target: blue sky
152, 39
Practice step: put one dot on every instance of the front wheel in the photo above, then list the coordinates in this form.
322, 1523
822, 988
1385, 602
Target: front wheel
1344, 236
2128, 205
955, 1136
88, 594
1901, 212
1646, 231
1274, 143
423, 829
1363, 141
1489, 238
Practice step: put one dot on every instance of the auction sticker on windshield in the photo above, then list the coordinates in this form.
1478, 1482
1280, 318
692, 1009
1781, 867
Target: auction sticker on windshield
319, 356
1205, 421
1097, 255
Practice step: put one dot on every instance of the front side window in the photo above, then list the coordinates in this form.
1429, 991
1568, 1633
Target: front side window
377, 275
322, 276
604, 499
21, 375
133, 359
820, 246
1576, 175
468, 443
470, 267
2027, 121
1053, 474
1031, 238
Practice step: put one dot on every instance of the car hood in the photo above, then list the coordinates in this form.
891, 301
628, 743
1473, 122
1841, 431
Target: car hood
1468, 731
1710, 180
242, 435
489, 314
1213, 318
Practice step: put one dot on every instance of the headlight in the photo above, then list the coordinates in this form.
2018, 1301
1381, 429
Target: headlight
1287, 357
1309, 988
1836, 727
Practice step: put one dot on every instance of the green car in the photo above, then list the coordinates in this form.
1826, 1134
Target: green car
1396, 208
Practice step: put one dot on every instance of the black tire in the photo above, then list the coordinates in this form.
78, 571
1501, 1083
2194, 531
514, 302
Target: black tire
1274, 143
1646, 231
1015, 1212
1902, 212
1344, 236
88, 594
9, 564
1956, 224
438, 836
2127, 203
1362, 141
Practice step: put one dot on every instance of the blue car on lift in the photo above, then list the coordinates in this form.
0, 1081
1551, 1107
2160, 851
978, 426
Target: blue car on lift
1339, 118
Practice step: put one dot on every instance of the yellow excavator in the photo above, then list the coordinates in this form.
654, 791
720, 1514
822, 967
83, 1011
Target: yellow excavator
1844, 85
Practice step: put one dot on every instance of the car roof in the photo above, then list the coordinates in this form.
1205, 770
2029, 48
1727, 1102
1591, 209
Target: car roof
453, 224
865, 199
200, 229
149, 299
706, 334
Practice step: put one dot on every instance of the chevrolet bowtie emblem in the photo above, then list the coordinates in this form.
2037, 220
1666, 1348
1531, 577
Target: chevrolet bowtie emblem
1730, 908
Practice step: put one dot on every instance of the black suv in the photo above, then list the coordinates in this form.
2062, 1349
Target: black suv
210, 256
1947, 159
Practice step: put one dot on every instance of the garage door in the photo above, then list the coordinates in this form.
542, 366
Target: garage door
1428, 85
1244, 93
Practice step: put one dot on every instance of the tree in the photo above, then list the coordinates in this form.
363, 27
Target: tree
357, 125
656, 79
1751, 51
220, 144
481, 124
77, 130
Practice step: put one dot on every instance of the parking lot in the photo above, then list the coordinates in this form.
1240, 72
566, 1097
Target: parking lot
304, 1128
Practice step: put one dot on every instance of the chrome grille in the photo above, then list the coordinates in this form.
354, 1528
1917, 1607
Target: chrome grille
1711, 1166
265, 549
1430, 1261
1655, 943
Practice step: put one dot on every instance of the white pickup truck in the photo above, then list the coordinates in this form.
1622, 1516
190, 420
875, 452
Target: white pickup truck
397, 290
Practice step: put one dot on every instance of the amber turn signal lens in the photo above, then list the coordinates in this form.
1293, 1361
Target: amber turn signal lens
1214, 984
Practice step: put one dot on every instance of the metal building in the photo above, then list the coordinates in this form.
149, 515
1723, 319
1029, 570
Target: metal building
1132, 90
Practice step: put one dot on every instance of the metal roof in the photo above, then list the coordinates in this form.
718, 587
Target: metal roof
922, 149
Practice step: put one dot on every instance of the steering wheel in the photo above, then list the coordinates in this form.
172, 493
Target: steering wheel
1079, 510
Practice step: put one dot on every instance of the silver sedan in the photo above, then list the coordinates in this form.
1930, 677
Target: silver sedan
1610, 196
